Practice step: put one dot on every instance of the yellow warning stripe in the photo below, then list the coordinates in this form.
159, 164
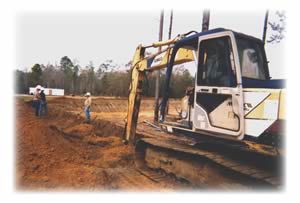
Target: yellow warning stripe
260, 111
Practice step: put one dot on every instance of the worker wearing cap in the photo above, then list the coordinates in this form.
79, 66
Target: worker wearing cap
36, 100
87, 107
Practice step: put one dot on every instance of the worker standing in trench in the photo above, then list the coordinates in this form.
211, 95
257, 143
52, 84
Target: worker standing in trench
87, 107
36, 100
43, 101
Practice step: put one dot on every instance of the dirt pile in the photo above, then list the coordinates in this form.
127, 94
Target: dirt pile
60, 152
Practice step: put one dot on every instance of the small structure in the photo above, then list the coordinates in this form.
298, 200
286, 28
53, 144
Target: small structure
49, 91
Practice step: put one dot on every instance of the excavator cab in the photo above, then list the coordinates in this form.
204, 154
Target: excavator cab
218, 99
232, 91
218, 96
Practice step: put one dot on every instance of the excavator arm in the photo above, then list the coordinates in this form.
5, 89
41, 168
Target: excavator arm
140, 65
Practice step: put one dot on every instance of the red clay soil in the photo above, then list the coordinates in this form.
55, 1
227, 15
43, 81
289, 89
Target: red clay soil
60, 152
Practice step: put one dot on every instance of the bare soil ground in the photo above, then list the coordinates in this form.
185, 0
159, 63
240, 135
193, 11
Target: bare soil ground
61, 152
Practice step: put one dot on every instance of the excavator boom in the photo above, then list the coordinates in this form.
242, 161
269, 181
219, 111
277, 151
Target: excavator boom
140, 65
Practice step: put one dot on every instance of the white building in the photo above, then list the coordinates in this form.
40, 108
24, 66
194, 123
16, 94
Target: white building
49, 91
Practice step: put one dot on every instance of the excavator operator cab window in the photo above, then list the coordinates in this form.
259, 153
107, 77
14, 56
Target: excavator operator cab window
216, 67
252, 60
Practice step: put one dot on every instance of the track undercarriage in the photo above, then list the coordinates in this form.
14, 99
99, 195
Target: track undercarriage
208, 166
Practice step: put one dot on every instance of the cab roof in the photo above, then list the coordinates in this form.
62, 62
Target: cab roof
212, 31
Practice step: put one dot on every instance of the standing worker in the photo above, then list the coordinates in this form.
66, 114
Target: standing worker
36, 100
44, 107
87, 107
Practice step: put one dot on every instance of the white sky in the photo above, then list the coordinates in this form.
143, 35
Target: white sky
45, 38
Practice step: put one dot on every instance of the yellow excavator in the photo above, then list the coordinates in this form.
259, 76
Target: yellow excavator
234, 106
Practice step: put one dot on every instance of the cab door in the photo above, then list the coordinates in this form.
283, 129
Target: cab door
218, 100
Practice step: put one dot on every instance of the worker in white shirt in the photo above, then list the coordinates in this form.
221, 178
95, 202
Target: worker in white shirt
36, 100
87, 107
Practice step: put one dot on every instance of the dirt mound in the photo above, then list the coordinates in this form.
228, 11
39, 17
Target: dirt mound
81, 128
59, 151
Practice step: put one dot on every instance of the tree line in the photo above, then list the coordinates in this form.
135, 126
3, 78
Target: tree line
106, 80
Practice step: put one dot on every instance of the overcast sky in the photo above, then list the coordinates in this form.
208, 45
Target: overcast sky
45, 38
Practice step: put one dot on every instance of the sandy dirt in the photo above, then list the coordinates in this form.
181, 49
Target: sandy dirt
61, 152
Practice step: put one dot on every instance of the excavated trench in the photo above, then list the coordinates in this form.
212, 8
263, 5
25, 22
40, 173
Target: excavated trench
61, 152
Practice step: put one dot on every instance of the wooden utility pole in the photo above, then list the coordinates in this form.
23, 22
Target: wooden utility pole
265, 27
171, 24
169, 37
160, 36
205, 20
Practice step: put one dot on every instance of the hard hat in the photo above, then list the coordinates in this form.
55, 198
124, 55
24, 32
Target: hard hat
38, 87
88, 94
